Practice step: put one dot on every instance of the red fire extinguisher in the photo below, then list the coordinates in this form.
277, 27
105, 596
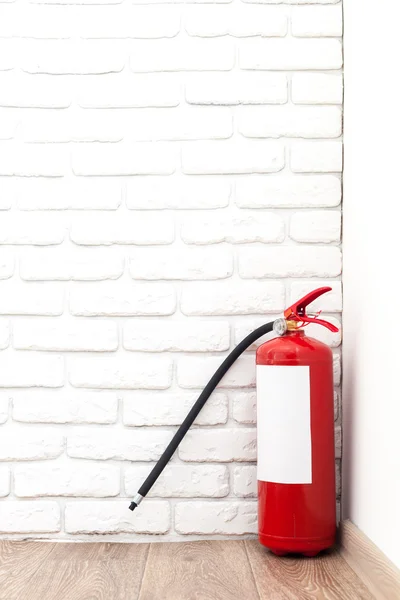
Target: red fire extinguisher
295, 437
295, 433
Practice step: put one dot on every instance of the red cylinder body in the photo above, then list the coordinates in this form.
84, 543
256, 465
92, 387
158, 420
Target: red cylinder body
296, 463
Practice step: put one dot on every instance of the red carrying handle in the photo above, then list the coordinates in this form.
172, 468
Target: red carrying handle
297, 311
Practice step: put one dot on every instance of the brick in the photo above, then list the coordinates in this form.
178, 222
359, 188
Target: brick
236, 88
67, 479
7, 17
4, 481
132, 91
121, 373
338, 442
336, 403
7, 189
21, 90
322, 226
180, 1
7, 54
219, 445
233, 157
291, 54
245, 298
41, 22
121, 299
317, 88
114, 517
20, 443
150, 124
112, 22
236, 20
176, 336
290, 261
140, 445
245, 481
316, 157
291, 1
330, 302
8, 125
95, 2
290, 121
76, 194
317, 21
69, 336
33, 160
181, 481
4, 402
69, 407
84, 126
191, 123
30, 517
30, 299
193, 263
34, 230
298, 191
7, 264
5, 334
194, 372
68, 263
19, 370
182, 54
178, 192
338, 479
72, 57
337, 370
244, 407
137, 229
170, 409
209, 518
242, 227
125, 159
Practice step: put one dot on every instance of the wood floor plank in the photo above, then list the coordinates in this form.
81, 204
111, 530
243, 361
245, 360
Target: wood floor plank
207, 570
19, 561
379, 574
88, 571
217, 570
325, 577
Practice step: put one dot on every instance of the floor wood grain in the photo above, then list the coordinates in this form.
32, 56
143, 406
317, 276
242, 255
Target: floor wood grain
206, 570
92, 572
19, 561
198, 571
325, 577
380, 575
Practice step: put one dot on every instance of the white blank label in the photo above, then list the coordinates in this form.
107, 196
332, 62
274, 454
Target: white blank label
283, 424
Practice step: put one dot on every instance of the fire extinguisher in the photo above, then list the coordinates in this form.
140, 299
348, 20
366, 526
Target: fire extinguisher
295, 437
295, 433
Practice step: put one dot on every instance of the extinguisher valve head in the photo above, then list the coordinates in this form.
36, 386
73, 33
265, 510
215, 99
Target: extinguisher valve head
296, 313
280, 326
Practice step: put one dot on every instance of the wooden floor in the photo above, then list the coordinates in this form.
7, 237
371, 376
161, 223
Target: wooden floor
217, 570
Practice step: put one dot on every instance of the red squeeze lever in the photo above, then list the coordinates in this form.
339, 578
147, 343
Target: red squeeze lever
297, 312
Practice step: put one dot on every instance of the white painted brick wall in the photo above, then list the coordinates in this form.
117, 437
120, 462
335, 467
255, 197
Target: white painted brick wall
170, 409
170, 178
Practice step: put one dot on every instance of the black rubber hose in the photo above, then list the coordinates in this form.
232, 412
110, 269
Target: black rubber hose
197, 406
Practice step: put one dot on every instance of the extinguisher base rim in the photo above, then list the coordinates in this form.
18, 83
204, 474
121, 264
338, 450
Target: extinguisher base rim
296, 545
